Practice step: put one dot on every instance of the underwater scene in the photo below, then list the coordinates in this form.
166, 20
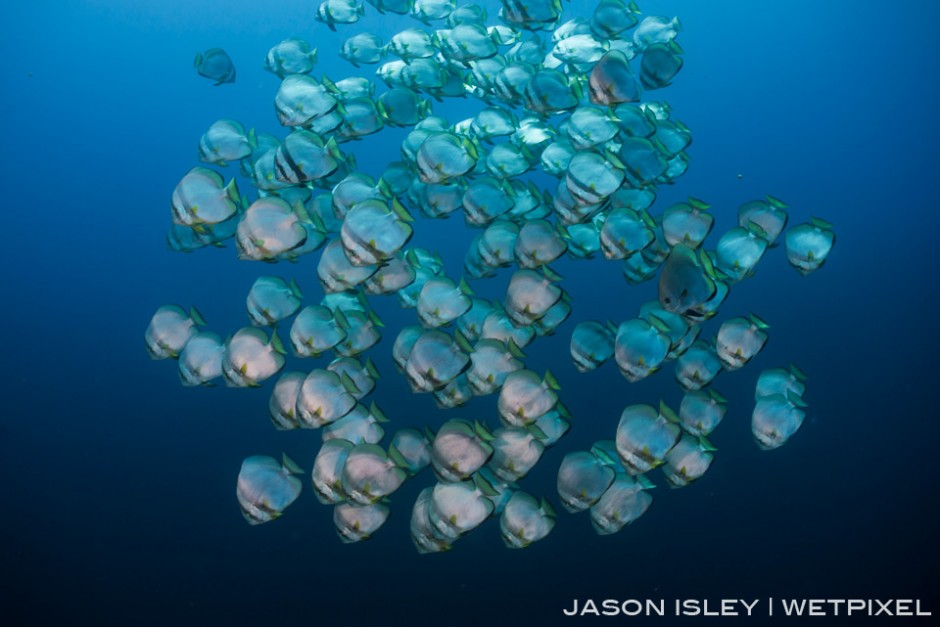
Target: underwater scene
506, 312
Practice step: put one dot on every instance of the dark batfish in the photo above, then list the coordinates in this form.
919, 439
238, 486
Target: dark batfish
215, 63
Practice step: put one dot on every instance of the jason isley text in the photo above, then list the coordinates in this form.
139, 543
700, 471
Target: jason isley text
747, 607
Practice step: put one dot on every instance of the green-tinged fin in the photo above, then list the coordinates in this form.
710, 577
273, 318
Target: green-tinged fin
658, 324
198, 60
776, 202
546, 507
384, 188
312, 55
755, 229
659, 146
674, 47
666, 412
428, 433
277, 344
464, 288
757, 322
484, 486
425, 108
537, 432
371, 369
295, 290
412, 258
701, 205
645, 482
614, 160
471, 149
632, 7
577, 89
290, 465
480, 429
706, 444
397, 458
604, 457
718, 398
795, 399
252, 138
341, 109
374, 317
376, 412
514, 349
196, 317
333, 148
648, 219
821, 224
798, 374
400, 211
349, 385
462, 342
707, 264
329, 84
507, 188
526, 153
551, 381
551, 275
304, 216
563, 411
341, 319
231, 190
611, 327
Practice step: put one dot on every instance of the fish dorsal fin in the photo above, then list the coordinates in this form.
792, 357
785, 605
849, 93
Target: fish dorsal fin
776, 203
718, 398
666, 412
551, 381
290, 465
295, 290
537, 432
277, 344
484, 486
349, 385
795, 399
196, 317
701, 205
397, 458
798, 374
480, 429
706, 445
376, 412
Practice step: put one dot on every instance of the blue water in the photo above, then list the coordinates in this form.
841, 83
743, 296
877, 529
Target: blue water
119, 484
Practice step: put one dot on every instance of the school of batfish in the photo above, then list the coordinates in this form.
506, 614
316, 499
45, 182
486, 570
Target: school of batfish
562, 97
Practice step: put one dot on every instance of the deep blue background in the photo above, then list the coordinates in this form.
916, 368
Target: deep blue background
118, 484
